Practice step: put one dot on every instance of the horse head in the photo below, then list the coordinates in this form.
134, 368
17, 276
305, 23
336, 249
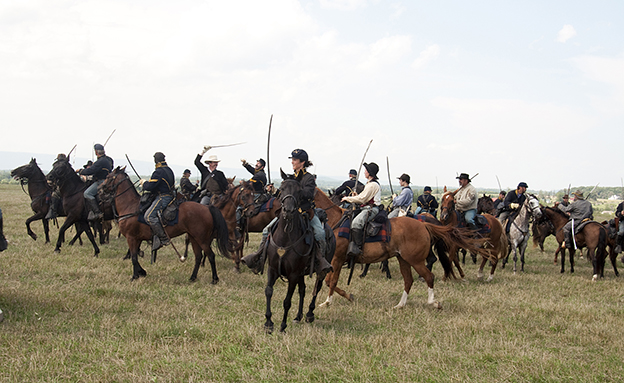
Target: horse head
447, 204
61, 172
533, 206
107, 189
27, 171
290, 191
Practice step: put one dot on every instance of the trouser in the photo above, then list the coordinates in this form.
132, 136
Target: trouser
469, 218
366, 215
567, 234
159, 204
92, 190
395, 212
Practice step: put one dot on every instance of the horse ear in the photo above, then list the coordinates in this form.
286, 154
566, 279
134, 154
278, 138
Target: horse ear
284, 175
444, 188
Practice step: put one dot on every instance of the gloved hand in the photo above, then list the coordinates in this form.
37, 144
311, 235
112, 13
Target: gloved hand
206, 148
514, 205
142, 181
244, 161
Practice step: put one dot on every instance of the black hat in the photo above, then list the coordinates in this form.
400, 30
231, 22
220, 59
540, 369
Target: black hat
523, 184
299, 154
98, 147
404, 177
89, 163
159, 157
353, 172
427, 188
187, 171
463, 176
372, 169
262, 162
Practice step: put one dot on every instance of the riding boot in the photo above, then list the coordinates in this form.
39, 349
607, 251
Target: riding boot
568, 242
618, 244
355, 246
94, 210
255, 261
321, 266
160, 238
52, 209
3, 241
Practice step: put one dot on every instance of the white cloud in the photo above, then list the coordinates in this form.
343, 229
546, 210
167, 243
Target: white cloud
429, 54
343, 5
565, 34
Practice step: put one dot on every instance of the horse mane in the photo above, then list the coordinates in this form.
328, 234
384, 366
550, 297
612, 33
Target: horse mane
557, 212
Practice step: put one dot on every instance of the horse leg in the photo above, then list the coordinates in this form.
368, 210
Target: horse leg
481, 267
87, 229
522, 251
288, 302
301, 287
31, 233
186, 245
386, 267
557, 253
268, 293
563, 254
317, 288
571, 251
613, 258
366, 267
46, 230
133, 248
491, 276
591, 253
408, 280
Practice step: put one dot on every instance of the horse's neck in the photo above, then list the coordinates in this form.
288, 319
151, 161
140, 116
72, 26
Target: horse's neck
557, 220
126, 200
522, 219
71, 185
37, 186
290, 231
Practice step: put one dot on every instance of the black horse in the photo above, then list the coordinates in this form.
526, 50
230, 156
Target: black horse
290, 253
72, 189
39, 192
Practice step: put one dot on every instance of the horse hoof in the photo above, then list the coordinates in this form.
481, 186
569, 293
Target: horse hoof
310, 319
351, 298
237, 270
214, 281
268, 329
57, 251
595, 278
436, 305
182, 259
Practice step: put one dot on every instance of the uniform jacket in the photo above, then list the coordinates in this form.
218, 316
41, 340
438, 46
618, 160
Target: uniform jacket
513, 197
259, 178
578, 210
100, 168
206, 174
348, 187
427, 202
466, 198
404, 199
162, 180
308, 189
187, 187
618, 211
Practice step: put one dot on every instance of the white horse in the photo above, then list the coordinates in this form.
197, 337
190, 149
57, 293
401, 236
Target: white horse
519, 232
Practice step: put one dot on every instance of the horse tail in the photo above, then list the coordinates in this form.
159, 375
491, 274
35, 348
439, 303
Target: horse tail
602, 244
441, 235
220, 230
504, 246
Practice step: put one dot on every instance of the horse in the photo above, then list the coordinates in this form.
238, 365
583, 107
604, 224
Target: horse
593, 236
486, 205
519, 230
71, 188
201, 223
410, 242
290, 254
496, 240
39, 192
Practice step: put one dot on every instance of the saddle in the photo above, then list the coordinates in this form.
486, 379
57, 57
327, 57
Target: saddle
374, 231
169, 214
483, 226
578, 227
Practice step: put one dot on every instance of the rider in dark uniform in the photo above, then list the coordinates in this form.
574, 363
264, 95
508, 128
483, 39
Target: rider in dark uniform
512, 204
187, 188
259, 178
427, 203
348, 187
55, 198
3, 241
161, 183
213, 181
99, 170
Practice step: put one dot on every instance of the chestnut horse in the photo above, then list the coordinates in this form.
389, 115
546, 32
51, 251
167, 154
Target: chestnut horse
593, 236
496, 241
201, 223
410, 241
290, 254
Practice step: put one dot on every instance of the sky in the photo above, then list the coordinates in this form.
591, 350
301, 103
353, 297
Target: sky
527, 91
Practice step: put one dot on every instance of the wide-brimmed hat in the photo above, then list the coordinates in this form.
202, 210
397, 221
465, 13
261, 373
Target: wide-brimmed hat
299, 154
404, 177
212, 158
463, 176
523, 185
372, 169
578, 194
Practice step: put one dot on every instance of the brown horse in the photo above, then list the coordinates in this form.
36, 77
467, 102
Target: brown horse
39, 192
486, 205
201, 223
410, 242
593, 236
496, 241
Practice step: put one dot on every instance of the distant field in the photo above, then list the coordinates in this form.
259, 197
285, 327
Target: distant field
70, 317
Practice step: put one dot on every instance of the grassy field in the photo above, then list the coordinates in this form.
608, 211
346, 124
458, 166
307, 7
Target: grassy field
72, 317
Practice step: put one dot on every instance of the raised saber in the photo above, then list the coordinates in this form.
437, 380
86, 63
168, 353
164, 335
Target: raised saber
223, 146
132, 166
361, 163
592, 190
389, 178
109, 137
500, 189
268, 150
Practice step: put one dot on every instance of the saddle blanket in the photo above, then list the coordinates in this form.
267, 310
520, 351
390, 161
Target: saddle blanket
419, 217
167, 223
578, 227
268, 205
383, 236
481, 222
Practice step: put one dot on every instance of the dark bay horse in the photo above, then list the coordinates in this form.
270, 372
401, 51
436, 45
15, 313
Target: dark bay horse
39, 192
496, 241
486, 205
201, 223
290, 254
71, 188
519, 232
593, 236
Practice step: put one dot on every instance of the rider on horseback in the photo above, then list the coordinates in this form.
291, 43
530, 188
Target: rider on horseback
56, 198
580, 210
513, 202
402, 203
213, 181
351, 186
619, 214
299, 160
466, 200
187, 188
427, 203
369, 199
258, 181
161, 183
99, 170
